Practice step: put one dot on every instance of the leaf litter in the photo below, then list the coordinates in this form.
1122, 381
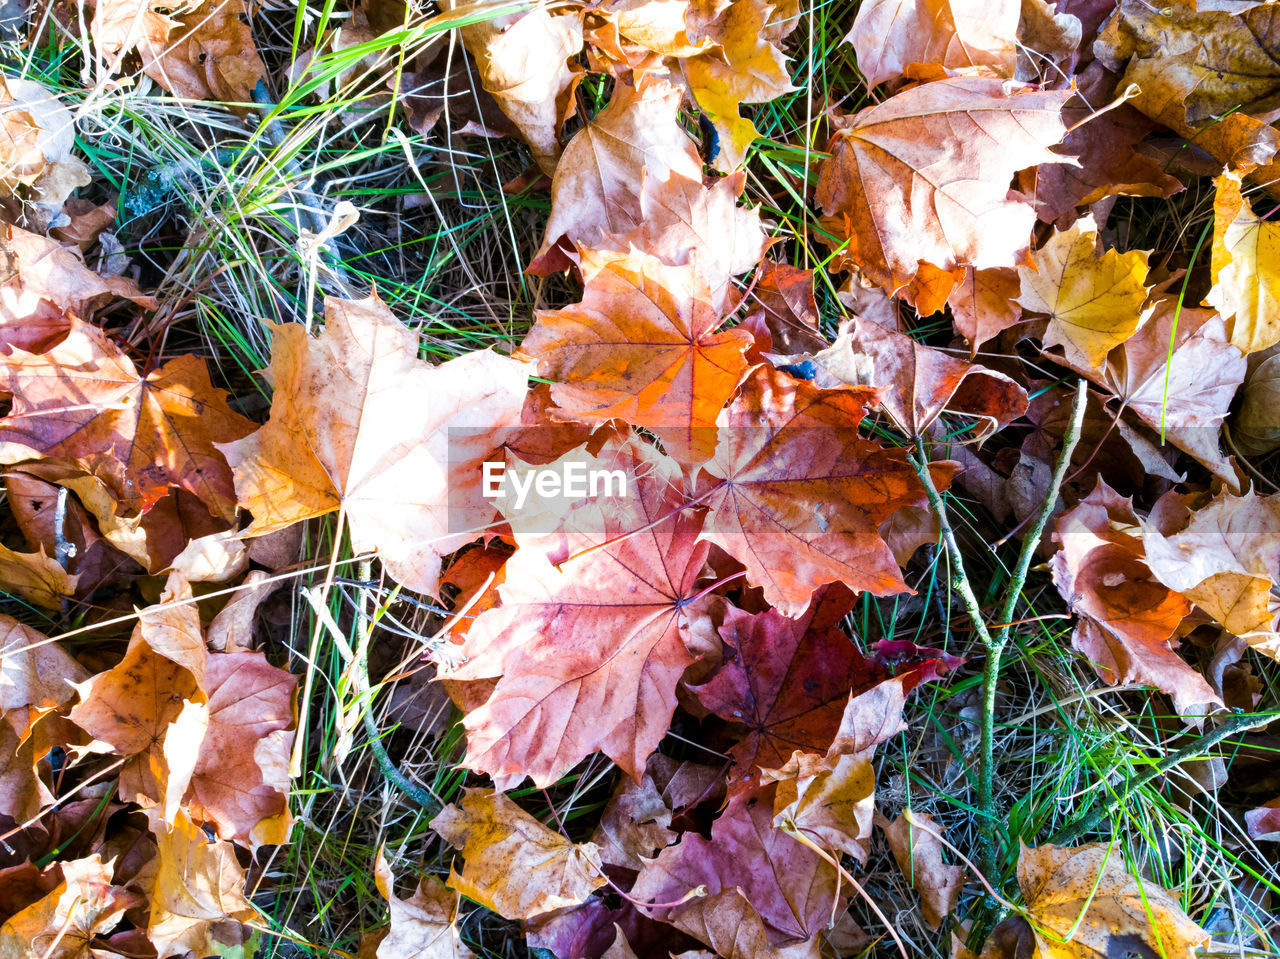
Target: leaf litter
687, 663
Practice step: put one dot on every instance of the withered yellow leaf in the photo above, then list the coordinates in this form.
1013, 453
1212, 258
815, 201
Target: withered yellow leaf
1083, 902
746, 69
1094, 302
514, 865
1245, 269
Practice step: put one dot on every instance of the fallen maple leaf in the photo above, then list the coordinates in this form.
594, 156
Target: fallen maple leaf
131, 710
1245, 269
642, 346
783, 295
797, 495
197, 884
1094, 302
597, 183
747, 67
630, 32
888, 35
1179, 373
35, 577
525, 64
587, 654
789, 681
359, 423
924, 177
635, 825
34, 671
918, 384
829, 801
203, 51
83, 401
1207, 73
424, 926
1083, 902
1127, 617
513, 864
1263, 823
795, 903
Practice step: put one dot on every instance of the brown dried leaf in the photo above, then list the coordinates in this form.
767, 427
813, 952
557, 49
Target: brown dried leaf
888, 35
919, 855
924, 177
358, 422
1085, 903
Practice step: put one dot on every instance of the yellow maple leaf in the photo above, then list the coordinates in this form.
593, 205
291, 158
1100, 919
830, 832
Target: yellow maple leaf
746, 69
1245, 269
1094, 302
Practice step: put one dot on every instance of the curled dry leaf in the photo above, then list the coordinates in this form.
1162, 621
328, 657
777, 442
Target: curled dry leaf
46, 284
71, 921
58, 172
784, 296
794, 904
1211, 74
424, 926
1094, 302
1127, 616
830, 800
1085, 902
84, 402
1225, 560
918, 853
359, 423
635, 825
204, 51
526, 67
513, 864
1256, 426
888, 35
924, 177
919, 383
